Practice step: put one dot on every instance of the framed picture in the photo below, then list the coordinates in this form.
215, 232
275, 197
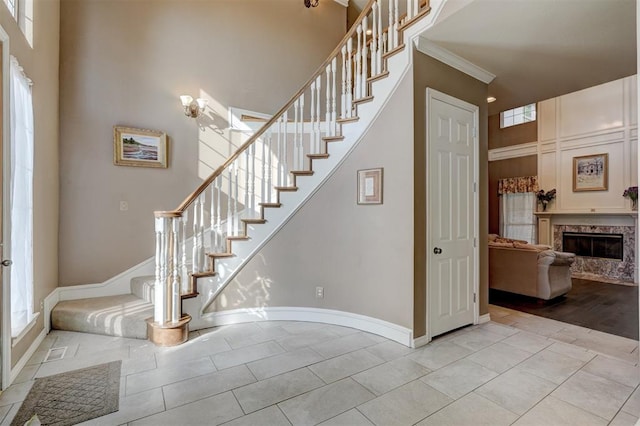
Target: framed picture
591, 173
370, 186
139, 147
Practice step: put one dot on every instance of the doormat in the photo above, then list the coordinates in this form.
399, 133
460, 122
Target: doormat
72, 397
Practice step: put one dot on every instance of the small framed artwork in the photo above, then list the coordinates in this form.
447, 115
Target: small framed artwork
591, 173
139, 147
370, 186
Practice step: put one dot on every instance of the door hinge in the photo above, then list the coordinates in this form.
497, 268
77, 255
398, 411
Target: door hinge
475, 186
475, 242
474, 298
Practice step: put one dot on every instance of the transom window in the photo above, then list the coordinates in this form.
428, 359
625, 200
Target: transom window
519, 115
22, 12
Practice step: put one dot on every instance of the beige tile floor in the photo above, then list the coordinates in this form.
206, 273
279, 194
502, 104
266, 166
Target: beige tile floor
517, 369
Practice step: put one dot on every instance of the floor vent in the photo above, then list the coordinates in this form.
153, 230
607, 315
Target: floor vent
55, 354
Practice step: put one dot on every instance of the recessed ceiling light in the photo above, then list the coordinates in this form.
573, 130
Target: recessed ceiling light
491, 99
369, 31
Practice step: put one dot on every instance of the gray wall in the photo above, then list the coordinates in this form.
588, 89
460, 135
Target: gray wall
126, 63
40, 63
360, 254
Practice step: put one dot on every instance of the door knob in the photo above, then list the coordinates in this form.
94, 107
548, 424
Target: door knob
437, 250
6, 262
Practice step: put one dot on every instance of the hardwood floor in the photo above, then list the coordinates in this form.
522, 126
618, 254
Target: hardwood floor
610, 308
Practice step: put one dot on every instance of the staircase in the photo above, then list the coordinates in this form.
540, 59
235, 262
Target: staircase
205, 241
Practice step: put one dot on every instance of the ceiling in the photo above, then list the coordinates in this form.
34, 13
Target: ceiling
539, 49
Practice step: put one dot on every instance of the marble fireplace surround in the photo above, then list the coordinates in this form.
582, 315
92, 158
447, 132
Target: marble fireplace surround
552, 224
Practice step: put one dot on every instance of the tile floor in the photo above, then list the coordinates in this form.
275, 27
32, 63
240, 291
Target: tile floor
517, 369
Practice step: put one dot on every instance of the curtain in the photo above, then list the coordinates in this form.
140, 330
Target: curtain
21, 199
517, 204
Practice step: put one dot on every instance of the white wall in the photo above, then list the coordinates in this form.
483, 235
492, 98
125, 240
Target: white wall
600, 119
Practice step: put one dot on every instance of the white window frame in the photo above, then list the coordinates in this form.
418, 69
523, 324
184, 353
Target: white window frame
519, 115
22, 12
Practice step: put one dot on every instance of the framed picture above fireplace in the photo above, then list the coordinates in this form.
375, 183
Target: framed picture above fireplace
591, 173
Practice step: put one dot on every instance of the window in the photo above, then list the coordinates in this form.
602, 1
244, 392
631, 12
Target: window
517, 220
21, 200
523, 114
22, 12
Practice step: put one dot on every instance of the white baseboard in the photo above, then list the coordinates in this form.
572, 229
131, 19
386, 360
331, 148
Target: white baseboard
420, 341
49, 303
484, 318
120, 284
27, 355
382, 328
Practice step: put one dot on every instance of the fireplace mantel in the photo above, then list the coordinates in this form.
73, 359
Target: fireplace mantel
592, 212
548, 218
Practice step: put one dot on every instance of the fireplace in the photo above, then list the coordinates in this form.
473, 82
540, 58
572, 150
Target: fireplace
605, 252
605, 246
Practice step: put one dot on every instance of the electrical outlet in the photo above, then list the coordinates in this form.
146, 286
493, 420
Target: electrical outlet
124, 206
319, 292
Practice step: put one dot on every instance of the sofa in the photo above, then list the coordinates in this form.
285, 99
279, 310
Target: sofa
528, 269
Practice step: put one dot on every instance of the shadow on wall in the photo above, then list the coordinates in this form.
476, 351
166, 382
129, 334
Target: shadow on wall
254, 295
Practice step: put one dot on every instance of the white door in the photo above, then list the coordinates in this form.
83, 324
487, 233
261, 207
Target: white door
451, 213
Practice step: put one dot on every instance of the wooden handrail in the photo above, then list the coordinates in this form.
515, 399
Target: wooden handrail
321, 69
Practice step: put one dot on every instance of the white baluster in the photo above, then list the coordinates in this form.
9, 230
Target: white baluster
230, 202
380, 47
279, 154
247, 154
285, 165
409, 11
175, 275
263, 181
363, 79
184, 269
159, 287
250, 171
343, 92
358, 59
212, 218
385, 42
236, 215
195, 266
416, 8
219, 240
390, 45
269, 183
374, 39
349, 102
317, 123
301, 134
333, 97
328, 110
312, 113
396, 42
296, 145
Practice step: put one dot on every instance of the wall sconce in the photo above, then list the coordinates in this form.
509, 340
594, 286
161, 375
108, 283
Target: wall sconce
311, 3
193, 108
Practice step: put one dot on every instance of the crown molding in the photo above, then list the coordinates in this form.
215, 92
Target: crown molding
443, 55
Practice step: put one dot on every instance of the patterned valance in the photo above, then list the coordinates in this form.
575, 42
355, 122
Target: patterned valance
518, 184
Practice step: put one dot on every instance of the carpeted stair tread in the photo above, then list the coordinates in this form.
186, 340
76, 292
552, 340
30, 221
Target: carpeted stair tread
143, 287
122, 315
